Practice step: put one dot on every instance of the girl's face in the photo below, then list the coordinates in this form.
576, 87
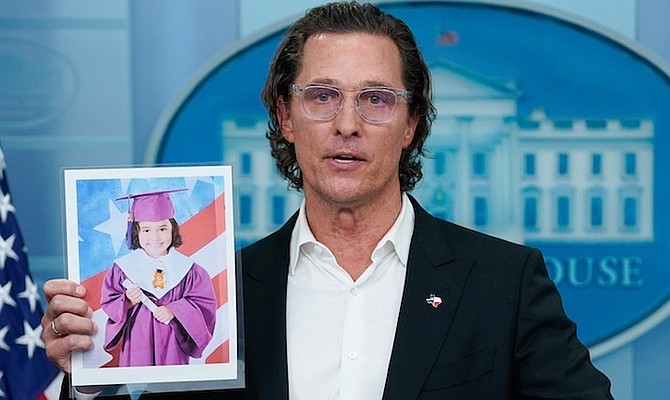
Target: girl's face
155, 237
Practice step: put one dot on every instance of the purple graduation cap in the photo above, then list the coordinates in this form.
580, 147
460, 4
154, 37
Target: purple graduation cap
148, 207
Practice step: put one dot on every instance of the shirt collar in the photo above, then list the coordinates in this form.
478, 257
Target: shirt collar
399, 235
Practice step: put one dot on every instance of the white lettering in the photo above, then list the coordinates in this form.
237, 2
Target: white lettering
554, 269
574, 267
607, 272
609, 277
631, 272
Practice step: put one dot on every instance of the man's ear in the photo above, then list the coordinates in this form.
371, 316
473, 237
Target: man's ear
285, 120
410, 129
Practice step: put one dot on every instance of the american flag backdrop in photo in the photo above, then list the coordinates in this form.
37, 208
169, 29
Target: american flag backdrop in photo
102, 223
25, 371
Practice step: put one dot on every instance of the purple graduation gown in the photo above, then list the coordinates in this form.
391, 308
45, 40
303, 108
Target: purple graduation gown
143, 339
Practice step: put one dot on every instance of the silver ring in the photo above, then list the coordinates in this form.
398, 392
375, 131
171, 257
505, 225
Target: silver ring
53, 328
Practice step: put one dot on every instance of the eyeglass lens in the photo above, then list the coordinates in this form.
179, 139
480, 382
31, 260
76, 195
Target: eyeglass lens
375, 105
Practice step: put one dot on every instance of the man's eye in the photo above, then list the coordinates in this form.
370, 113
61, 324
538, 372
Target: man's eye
322, 95
377, 98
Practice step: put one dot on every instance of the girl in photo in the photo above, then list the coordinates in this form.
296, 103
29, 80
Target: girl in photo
160, 305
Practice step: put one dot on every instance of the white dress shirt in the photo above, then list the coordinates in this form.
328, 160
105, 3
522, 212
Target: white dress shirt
340, 332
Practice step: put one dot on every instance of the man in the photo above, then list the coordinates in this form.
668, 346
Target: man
362, 294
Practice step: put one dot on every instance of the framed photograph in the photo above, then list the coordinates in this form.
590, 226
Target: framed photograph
154, 248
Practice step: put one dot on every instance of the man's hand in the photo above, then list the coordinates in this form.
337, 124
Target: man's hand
66, 324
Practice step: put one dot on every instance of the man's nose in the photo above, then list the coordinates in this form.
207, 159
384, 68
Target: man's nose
348, 120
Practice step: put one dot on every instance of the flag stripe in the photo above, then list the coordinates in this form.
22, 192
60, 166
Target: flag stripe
220, 355
203, 227
93, 286
220, 283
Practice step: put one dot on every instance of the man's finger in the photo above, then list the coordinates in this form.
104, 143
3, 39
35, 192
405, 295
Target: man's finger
66, 304
66, 287
60, 349
69, 324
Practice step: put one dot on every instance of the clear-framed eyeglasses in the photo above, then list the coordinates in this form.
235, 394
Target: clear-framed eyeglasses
373, 104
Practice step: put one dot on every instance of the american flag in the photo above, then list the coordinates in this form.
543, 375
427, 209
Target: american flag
448, 38
101, 226
25, 371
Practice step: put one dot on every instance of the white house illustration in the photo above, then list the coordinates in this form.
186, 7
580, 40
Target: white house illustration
527, 179
263, 201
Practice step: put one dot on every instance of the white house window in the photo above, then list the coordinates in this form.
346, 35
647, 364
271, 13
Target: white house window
481, 217
246, 210
596, 164
563, 212
596, 211
630, 208
563, 164
530, 206
440, 163
278, 209
479, 164
630, 164
529, 168
246, 164
441, 203
630, 211
563, 209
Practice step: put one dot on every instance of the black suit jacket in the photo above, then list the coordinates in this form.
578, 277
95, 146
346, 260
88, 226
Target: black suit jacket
500, 332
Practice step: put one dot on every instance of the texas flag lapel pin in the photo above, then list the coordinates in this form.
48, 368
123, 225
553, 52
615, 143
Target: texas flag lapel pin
433, 300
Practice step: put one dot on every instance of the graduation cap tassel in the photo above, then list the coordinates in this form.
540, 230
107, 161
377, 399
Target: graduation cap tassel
129, 227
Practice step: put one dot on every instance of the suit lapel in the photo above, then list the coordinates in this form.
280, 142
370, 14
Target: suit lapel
433, 269
265, 300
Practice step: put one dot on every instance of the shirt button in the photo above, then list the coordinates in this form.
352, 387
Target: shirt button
317, 249
354, 290
352, 355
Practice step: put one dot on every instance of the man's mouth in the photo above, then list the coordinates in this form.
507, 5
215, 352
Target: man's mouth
345, 158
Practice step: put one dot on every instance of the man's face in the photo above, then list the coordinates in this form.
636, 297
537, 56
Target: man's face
347, 161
